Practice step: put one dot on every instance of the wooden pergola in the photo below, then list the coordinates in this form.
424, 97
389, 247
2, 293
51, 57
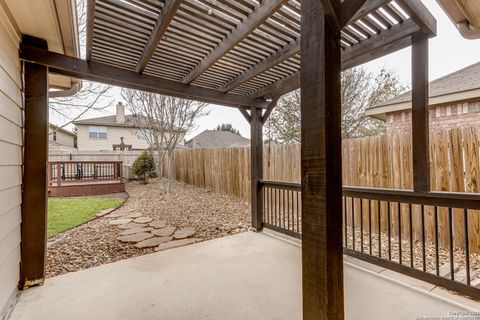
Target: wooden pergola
243, 54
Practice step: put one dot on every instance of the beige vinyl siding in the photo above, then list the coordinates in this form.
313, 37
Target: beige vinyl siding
84, 143
10, 160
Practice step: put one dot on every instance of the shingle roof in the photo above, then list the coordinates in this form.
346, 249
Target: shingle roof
217, 139
464, 79
131, 121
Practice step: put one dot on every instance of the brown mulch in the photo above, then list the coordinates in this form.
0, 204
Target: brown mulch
94, 243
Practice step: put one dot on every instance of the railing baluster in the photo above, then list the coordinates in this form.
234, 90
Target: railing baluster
437, 257
353, 223
345, 221
450, 234
399, 233
370, 225
424, 258
410, 226
389, 232
467, 246
361, 225
379, 230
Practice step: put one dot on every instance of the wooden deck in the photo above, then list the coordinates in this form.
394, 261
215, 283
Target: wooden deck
84, 178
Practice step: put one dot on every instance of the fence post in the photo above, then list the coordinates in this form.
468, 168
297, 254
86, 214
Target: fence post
256, 156
59, 174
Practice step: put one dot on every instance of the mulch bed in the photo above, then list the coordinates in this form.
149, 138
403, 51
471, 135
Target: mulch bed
95, 243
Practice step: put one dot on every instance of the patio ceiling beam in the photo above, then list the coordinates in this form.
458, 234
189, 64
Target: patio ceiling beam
349, 9
245, 114
396, 38
420, 14
332, 9
256, 18
278, 57
99, 72
163, 21
90, 24
270, 108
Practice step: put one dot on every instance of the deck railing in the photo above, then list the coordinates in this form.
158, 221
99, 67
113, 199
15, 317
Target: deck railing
428, 236
68, 172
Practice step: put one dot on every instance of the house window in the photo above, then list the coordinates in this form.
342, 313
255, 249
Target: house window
144, 134
54, 135
97, 132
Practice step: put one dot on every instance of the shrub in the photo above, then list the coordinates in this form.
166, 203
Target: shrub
144, 167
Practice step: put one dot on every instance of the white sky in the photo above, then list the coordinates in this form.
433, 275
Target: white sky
448, 52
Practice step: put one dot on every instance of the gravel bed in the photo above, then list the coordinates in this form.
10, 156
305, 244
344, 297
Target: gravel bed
94, 243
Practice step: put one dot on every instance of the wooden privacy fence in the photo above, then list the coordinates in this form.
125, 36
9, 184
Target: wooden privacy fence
378, 162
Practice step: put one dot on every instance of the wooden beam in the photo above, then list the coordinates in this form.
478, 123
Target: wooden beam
168, 12
256, 167
388, 41
270, 108
34, 202
271, 61
366, 8
99, 72
349, 9
420, 14
90, 23
420, 124
256, 18
245, 114
332, 10
321, 167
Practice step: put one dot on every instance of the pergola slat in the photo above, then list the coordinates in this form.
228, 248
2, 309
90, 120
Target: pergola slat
158, 31
251, 23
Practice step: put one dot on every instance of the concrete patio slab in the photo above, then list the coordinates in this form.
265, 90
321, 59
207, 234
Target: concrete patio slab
246, 276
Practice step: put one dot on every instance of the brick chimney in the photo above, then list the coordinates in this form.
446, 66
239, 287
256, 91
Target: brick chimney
120, 119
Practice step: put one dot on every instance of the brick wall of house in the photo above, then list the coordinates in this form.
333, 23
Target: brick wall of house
447, 116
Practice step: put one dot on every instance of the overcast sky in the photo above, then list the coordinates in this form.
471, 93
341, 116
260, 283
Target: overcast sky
448, 52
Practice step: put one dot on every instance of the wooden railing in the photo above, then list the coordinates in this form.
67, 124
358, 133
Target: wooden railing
70, 172
428, 236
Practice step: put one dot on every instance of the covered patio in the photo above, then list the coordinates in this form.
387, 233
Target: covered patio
245, 54
245, 276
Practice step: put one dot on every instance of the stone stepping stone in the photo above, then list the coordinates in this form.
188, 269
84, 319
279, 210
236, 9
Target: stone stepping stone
143, 220
158, 224
135, 230
103, 212
176, 244
131, 225
184, 233
134, 238
133, 215
164, 232
119, 213
152, 242
119, 221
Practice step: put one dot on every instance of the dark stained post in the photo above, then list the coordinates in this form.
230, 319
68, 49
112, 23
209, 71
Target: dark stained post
256, 156
420, 144
34, 203
321, 171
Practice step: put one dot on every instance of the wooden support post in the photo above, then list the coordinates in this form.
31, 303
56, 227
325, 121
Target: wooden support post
420, 144
321, 166
34, 203
256, 156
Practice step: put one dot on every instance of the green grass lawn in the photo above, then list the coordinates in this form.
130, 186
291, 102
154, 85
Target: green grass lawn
65, 213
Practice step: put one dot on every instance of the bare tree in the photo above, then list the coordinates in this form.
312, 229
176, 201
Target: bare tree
360, 90
163, 121
90, 96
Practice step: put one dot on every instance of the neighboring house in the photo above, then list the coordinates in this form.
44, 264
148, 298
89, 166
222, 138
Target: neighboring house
61, 136
217, 139
101, 134
54, 21
454, 102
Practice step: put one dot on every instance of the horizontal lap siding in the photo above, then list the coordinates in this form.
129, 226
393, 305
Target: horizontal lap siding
10, 160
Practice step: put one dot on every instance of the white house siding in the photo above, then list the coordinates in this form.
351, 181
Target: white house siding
62, 138
84, 143
11, 139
